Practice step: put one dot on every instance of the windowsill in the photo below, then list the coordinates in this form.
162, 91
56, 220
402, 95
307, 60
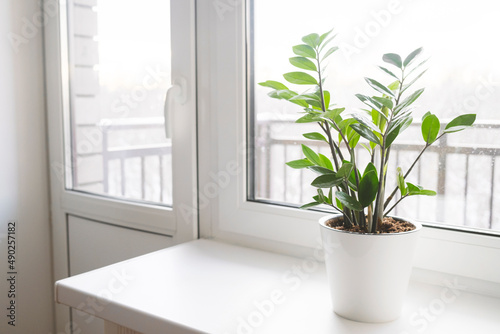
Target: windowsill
211, 287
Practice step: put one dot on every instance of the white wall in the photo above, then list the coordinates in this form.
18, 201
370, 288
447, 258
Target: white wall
24, 189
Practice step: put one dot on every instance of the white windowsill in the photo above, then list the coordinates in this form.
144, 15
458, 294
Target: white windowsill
211, 287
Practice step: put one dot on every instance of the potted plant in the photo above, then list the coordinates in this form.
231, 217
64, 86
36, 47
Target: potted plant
368, 254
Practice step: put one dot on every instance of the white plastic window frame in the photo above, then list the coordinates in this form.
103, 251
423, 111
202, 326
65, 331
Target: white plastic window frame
178, 221
225, 212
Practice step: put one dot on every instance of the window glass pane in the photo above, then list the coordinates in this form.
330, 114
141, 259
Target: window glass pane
120, 70
459, 38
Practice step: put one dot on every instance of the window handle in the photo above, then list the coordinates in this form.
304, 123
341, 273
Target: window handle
176, 93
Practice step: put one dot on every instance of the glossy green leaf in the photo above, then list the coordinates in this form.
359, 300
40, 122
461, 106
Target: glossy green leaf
348, 201
300, 78
304, 51
330, 51
369, 101
309, 205
366, 122
286, 94
365, 132
384, 101
368, 187
401, 182
309, 118
370, 167
430, 128
321, 196
412, 56
388, 72
326, 97
408, 101
379, 87
298, 164
332, 114
394, 85
393, 133
312, 40
314, 136
393, 59
323, 36
273, 84
459, 123
303, 63
311, 155
321, 170
327, 181
325, 162
405, 87
345, 170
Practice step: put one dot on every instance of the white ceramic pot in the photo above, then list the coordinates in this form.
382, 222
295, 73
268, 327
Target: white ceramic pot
368, 273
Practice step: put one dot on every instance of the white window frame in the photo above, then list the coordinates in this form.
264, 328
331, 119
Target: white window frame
225, 212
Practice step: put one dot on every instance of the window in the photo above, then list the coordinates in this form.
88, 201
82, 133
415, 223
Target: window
462, 77
251, 206
120, 70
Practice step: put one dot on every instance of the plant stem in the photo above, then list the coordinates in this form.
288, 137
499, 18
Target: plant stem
392, 207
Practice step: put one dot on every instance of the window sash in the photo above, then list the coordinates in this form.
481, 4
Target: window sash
225, 212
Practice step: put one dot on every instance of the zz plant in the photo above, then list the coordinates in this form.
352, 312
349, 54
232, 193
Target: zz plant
358, 193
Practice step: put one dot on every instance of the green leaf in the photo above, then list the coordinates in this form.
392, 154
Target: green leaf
309, 118
411, 56
366, 122
300, 78
384, 101
353, 138
311, 40
309, 205
400, 126
330, 51
408, 101
426, 192
286, 94
345, 170
370, 167
430, 128
348, 201
394, 85
311, 155
365, 132
326, 97
273, 84
370, 102
459, 123
388, 72
274, 94
405, 87
304, 51
368, 187
426, 114
298, 164
418, 190
325, 162
315, 136
393, 59
326, 181
323, 36
321, 170
401, 182
321, 196
303, 63
332, 114
379, 87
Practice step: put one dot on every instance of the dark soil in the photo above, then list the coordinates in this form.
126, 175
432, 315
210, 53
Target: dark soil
389, 225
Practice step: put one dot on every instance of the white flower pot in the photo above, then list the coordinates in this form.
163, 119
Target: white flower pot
368, 273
